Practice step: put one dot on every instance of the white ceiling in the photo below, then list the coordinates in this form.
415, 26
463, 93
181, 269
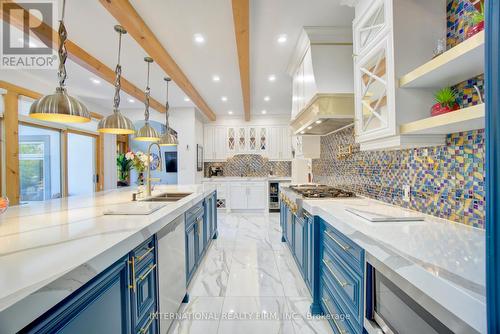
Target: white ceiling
175, 22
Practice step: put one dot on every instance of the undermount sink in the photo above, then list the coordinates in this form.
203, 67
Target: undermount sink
167, 197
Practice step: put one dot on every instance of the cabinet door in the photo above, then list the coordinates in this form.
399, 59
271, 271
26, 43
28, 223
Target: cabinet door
299, 241
242, 138
191, 251
374, 93
274, 143
208, 141
290, 222
238, 196
371, 26
309, 252
101, 306
263, 142
286, 143
200, 238
256, 196
253, 141
231, 141
220, 143
144, 296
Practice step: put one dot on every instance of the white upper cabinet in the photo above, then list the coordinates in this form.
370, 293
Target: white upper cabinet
372, 26
214, 143
392, 37
222, 142
375, 87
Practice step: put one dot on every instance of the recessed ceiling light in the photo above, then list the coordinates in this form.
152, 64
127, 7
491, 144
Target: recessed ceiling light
198, 38
309, 127
282, 38
131, 100
267, 98
230, 112
186, 99
216, 78
318, 121
223, 99
264, 112
272, 78
95, 81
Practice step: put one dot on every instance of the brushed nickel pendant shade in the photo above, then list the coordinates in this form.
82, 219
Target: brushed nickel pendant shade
147, 132
60, 107
168, 138
116, 123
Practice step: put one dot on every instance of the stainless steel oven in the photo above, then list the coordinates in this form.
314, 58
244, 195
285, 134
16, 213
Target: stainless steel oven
390, 310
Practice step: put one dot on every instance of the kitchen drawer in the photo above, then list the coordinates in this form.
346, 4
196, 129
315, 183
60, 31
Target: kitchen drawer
148, 325
347, 282
143, 253
144, 297
193, 213
339, 319
343, 246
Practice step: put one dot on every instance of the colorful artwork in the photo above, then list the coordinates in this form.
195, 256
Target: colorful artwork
458, 17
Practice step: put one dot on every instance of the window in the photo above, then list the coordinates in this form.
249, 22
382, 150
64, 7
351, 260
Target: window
39, 163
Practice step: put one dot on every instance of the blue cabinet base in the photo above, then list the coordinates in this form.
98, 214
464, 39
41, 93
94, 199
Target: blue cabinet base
316, 309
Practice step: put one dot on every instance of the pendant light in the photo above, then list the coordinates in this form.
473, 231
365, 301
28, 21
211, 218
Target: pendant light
147, 132
168, 138
117, 123
60, 107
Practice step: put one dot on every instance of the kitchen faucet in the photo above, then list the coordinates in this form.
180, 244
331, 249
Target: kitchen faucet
148, 176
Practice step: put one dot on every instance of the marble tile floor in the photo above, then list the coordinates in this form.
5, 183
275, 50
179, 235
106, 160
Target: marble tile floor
248, 283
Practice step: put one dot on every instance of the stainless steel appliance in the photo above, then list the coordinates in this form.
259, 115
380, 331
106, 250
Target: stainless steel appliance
312, 191
171, 269
390, 308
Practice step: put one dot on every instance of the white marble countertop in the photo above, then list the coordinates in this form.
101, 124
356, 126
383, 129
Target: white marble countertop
444, 260
51, 248
247, 178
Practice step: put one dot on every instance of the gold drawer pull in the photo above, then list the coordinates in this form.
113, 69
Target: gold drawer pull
139, 258
143, 276
340, 330
326, 263
132, 263
146, 328
344, 248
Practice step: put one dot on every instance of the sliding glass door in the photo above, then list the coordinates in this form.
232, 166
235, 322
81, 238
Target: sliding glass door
39, 163
81, 156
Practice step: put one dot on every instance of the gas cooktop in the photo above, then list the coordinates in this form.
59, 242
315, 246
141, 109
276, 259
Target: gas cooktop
320, 191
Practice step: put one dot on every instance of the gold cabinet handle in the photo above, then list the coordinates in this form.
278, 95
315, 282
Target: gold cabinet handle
139, 258
146, 328
143, 276
327, 265
339, 329
132, 263
344, 248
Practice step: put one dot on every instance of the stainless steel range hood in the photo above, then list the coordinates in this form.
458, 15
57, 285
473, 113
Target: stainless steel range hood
322, 71
325, 114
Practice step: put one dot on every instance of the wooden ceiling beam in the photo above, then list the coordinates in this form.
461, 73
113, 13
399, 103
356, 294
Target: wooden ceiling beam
128, 17
80, 56
241, 17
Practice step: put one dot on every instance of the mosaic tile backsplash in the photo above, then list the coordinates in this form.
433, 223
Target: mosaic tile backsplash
251, 165
446, 181
458, 12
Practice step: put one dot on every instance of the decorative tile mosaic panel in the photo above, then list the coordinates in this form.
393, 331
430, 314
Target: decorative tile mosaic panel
458, 12
251, 165
446, 181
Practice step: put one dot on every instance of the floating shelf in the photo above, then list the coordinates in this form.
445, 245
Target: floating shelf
471, 118
459, 63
